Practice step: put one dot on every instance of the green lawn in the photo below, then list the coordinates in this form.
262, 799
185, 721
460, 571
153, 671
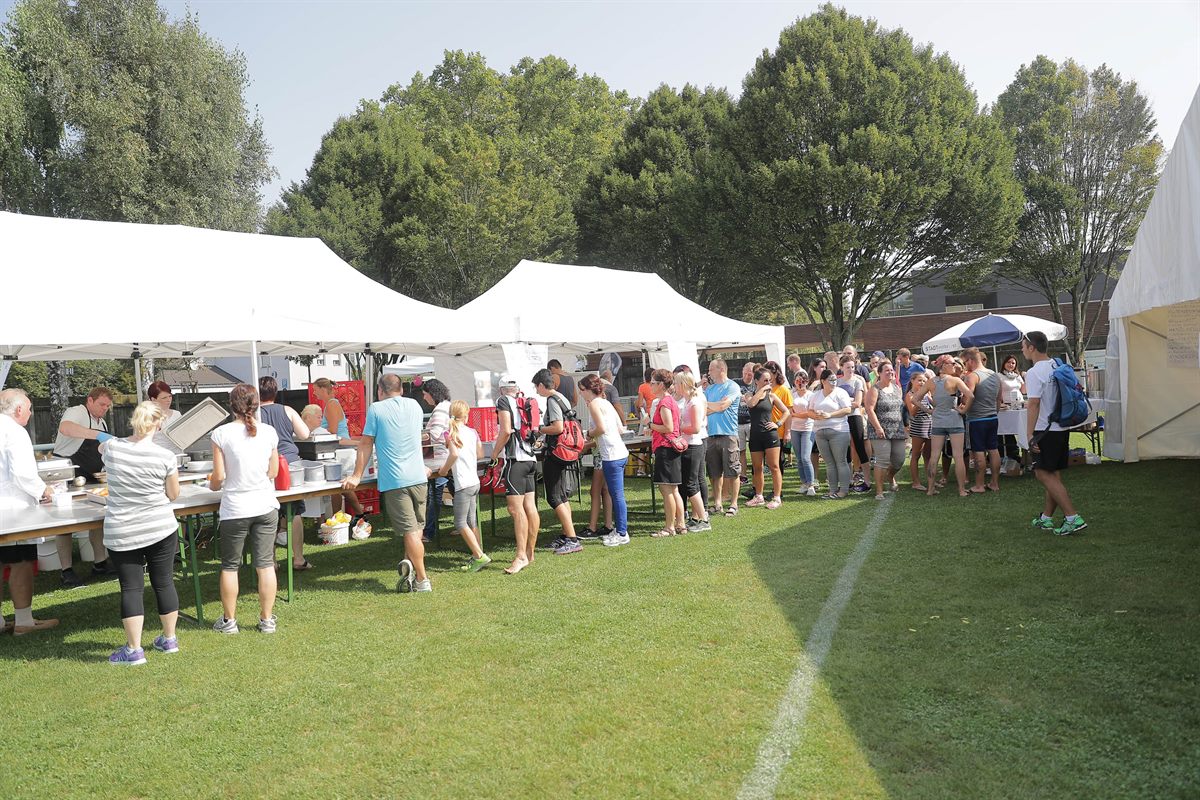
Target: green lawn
976, 659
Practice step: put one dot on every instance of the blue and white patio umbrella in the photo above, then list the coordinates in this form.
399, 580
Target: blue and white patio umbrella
992, 330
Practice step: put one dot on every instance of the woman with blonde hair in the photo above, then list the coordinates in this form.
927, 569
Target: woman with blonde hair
606, 431
694, 427
245, 463
464, 451
140, 529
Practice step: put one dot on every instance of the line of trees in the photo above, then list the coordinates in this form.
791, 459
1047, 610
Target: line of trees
854, 165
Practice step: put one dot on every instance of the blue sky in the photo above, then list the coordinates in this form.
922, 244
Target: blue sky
311, 62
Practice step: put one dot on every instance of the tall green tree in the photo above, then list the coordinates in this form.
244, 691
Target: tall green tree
1089, 161
439, 188
868, 169
663, 202
110, 111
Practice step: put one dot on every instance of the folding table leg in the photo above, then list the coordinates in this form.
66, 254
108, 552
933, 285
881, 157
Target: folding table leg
191, 535
288, 509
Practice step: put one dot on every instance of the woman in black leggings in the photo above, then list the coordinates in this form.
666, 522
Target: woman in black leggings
139, 528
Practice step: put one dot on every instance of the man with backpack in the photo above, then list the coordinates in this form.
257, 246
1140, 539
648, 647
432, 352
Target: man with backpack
558, 466
1048, 440
516, 420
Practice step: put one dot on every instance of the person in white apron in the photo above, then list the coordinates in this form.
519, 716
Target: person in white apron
80, 433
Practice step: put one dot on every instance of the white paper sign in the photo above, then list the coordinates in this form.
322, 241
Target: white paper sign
1183, 335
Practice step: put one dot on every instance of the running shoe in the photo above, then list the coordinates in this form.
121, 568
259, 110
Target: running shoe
698, 525
1043, 523
558, 542
774, 503
757, 500
223, 625
588, 533
164, 645
615, 539
125, 657
811, 491
1070, 526
476, 564
423, 586
266, 625
568, 546
405, 584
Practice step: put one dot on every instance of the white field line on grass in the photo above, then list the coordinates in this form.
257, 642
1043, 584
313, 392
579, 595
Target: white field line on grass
788, 728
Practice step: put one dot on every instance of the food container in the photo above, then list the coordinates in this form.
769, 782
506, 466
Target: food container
56, 469
182, 459
193, 425
198, 466
337, 534
296, 473
314, 471
333, 470
62, 500
319, 447
347, 457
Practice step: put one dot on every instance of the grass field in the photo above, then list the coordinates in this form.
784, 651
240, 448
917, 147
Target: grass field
976, 658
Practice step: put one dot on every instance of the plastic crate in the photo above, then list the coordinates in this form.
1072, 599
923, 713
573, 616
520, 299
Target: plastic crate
483, 420
369, 499
353, 397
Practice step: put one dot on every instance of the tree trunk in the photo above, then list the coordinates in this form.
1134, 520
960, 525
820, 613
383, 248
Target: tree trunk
5, 366
147, 373
1079, 333
59, 383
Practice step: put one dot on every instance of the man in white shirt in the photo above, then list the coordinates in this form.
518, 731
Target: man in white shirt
20, 490
80, 434
1049, 442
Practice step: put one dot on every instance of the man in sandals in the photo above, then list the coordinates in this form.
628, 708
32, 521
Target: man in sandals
721, 452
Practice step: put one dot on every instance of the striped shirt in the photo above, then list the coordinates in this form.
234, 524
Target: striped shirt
138, 511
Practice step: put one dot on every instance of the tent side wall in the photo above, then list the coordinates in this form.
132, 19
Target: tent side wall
1159, 412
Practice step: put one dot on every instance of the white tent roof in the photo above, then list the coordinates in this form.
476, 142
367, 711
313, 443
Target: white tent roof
85, 289
1163, 267
601, 309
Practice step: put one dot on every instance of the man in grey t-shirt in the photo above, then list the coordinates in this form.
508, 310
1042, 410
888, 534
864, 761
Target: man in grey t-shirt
982, 420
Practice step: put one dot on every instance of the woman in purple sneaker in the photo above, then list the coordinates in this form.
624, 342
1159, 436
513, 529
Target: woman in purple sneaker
139, 529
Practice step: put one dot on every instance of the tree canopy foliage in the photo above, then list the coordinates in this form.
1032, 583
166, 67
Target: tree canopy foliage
1089, 160
664, 201
439, 188
110, 111
868, 169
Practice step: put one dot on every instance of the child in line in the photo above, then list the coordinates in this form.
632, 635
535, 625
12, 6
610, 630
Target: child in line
465, 450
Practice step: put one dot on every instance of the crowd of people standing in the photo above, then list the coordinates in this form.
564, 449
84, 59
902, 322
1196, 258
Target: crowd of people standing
861, 419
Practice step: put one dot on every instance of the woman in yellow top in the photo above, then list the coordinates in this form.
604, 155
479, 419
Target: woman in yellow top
784, 393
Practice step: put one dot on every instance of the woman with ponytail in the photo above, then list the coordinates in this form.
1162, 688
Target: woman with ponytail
245, 462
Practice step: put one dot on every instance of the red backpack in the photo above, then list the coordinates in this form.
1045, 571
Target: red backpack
527, 422
568, 444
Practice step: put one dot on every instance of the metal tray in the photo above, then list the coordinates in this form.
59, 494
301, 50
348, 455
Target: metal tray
193, 425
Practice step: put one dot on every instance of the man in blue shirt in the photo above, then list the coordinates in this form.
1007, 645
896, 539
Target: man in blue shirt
905, 369
393, 428
721, 452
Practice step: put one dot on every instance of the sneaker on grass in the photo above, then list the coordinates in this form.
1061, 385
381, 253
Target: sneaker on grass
757, 500
405, 584
125, 657
588, 533
698, 525
476, 564
1043, 523
164, 645
422, 586
811, 491
558, 542
1070, 526
774, 503
615, 539
266, 625
568, 546
223, 625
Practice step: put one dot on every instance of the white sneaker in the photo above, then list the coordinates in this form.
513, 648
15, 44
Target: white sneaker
615, 539
422, 586
811, 491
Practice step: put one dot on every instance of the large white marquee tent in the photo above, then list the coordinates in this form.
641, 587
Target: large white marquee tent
79, 289
541, 310
1153, 359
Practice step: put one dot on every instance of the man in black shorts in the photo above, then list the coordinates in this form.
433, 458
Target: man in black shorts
558, 475
1049, 442
23, 489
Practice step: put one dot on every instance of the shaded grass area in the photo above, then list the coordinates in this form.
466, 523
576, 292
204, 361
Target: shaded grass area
654, 670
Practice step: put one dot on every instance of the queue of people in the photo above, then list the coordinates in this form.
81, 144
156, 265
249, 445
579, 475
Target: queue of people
904, 408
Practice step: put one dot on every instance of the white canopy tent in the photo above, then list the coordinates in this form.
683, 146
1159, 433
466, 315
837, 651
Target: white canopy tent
541, 310
80, 289
1153, 359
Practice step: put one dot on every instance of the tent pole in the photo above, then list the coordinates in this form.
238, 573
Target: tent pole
137, 379
254, 364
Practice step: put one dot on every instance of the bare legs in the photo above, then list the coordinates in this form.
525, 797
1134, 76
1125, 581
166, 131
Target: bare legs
772, 456
920, 447
267, 588
1056, 493
526, 523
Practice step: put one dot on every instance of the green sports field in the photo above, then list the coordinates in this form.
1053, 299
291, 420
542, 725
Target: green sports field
975, 658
